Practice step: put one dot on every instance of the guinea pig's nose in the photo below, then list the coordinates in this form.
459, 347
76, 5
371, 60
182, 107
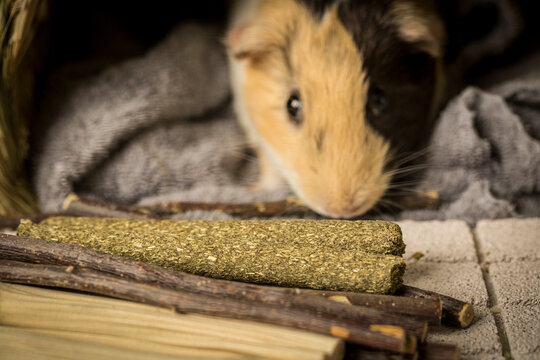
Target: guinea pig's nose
347, 210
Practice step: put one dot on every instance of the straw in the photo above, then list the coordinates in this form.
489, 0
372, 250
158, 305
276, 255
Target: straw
19, 20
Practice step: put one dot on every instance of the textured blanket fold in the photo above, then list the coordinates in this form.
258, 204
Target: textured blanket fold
160, 128
88, 123
484, 160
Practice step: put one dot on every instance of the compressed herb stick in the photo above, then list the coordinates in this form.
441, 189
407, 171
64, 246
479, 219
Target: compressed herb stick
324, 254
378, 237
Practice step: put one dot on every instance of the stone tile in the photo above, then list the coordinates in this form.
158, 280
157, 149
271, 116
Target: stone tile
463, 281
516, 282
522, 324
482, 357
440, 241
533, 356
479, 341
506, 239
517, 287
511, 249
460, 280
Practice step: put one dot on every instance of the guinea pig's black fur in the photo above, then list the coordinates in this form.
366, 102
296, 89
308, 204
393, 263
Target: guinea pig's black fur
401, 76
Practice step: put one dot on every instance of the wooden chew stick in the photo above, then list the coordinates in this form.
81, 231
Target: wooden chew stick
426, 351
428, 309
263, 209
355, 352
12, 221
78, 206
48, 252
385, 337
455, 312
427, 200
321, 254
432, 351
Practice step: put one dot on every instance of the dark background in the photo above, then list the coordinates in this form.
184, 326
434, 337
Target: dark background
115, 30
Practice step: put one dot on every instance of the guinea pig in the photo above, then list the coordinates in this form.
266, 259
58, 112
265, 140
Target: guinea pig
332, 93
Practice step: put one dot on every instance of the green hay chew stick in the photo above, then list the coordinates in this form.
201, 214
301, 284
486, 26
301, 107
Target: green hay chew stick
320, 254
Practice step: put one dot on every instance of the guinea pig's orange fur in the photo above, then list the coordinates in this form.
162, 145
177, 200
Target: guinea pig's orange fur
333, 160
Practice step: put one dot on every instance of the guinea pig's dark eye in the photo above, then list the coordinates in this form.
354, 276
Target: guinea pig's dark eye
377, 102
294, 108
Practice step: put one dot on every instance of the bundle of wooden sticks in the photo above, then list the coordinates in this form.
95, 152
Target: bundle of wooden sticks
376, 326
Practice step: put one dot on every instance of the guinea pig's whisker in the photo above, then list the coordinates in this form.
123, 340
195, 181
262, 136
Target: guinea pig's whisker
397, 162
394, 204
402, 192
377, 210
407, 170
243, 155
403, 184
248, 159
242, 147
389, 205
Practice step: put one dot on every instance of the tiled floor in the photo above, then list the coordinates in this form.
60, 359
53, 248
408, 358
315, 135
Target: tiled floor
496, 265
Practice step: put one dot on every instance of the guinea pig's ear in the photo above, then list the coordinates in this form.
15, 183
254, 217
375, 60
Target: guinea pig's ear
424, 30
248, 41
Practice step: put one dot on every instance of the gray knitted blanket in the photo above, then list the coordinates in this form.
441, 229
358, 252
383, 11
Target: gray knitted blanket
159, 127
